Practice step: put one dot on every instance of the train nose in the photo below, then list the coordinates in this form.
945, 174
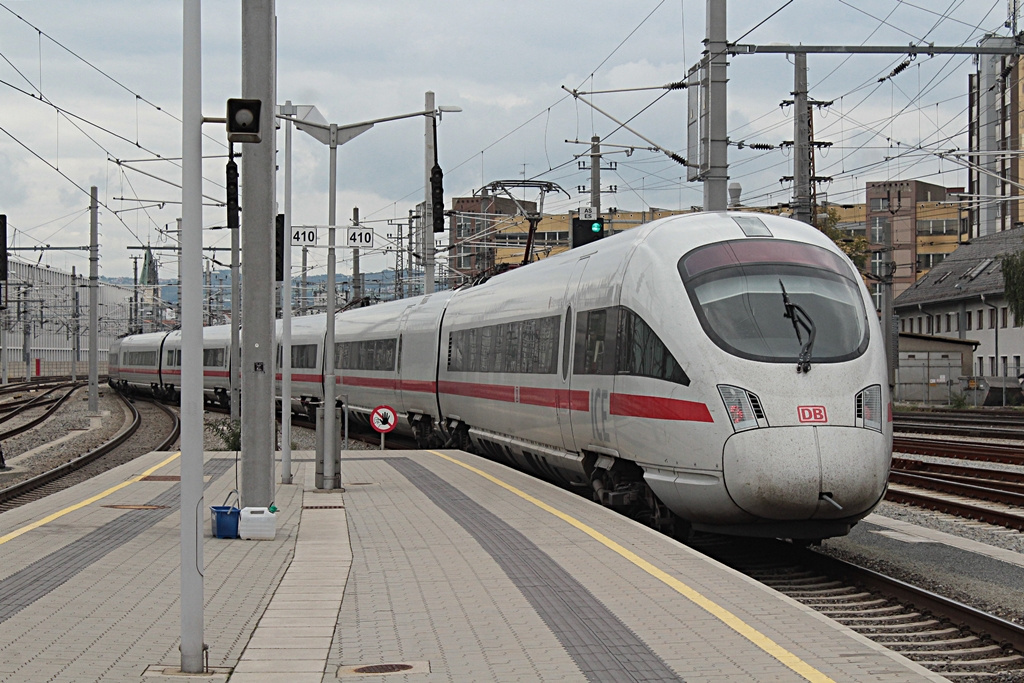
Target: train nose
806, 472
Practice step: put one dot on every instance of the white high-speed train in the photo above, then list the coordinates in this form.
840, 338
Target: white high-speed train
722, 372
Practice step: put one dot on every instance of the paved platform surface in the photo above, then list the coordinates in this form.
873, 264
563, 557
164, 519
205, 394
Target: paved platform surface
431, 566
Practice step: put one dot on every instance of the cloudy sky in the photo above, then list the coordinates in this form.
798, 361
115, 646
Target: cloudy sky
91, 95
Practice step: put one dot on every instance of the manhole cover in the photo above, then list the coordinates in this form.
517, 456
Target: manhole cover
382, 668
162, 477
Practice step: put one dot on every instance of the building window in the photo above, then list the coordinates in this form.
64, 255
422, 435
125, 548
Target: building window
1016, 365
981, 319
949, 322
879, 229
970, 319
991, 318
992, 365
1002, 317
981, 365
1002, 364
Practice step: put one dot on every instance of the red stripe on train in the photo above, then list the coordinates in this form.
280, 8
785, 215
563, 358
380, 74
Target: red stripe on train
656, 408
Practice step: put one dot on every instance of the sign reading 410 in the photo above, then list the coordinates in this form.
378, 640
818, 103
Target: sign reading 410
360, 237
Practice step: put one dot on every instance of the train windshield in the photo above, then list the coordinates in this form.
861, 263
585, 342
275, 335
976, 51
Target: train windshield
735, 290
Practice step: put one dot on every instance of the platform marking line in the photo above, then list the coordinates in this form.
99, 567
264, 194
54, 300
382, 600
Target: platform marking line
762, 641
77, 506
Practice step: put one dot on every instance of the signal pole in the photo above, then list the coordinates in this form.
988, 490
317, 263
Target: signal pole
94, 318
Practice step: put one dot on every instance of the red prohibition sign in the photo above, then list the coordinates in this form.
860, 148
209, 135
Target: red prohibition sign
383, 419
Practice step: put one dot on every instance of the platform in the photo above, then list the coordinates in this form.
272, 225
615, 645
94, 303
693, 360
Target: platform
431, 566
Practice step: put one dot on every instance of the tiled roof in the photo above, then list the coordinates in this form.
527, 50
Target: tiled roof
967, 273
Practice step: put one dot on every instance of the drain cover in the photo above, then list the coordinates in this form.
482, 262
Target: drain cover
382, 668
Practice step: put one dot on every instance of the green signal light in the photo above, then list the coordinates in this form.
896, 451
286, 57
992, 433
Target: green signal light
595, 227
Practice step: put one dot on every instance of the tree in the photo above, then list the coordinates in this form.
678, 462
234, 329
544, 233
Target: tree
1012, 265
856, 247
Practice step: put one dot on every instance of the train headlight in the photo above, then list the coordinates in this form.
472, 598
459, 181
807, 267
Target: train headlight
740, 405
869, 407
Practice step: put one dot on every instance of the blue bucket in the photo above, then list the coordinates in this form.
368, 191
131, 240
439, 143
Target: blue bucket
224, 519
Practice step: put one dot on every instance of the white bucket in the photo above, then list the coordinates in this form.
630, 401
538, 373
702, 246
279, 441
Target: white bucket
257, 524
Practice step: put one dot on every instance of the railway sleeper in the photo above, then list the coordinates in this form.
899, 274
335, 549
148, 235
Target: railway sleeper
843, 599
841, 591
924, 645
854, 611
892, 628
789, 585
969, 664
882, 619
882, 638
847, 604
984, 650
794, 575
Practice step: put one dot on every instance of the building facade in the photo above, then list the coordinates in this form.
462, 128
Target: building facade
963, 297
44, 325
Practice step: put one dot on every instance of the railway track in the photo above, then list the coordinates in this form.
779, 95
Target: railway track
52, 406
940, 634
990, 424
52, 480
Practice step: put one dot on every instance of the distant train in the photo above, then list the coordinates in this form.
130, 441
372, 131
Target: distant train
719, 372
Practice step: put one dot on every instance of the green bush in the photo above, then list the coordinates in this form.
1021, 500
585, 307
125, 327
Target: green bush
958, 401
229, 432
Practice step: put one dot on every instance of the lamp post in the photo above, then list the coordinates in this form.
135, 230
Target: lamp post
309, 120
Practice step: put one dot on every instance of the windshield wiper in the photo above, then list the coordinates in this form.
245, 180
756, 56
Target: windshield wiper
800, 319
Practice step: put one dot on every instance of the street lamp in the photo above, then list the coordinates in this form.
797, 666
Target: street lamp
311, 121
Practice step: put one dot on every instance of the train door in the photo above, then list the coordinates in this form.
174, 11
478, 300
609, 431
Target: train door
564, 394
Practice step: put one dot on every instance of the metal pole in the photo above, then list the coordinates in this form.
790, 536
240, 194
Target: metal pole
428, 209
717, 178
286, 311
135, 328
801, 142
330, 443
94, 301
191, 346
259, 425
303, 287
75, 328
595, 174
357, 276
26, 340
235, 364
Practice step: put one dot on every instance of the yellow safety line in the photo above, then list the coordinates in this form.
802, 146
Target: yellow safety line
60, 513
728, 618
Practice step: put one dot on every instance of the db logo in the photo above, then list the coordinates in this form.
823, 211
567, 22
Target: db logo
811, 413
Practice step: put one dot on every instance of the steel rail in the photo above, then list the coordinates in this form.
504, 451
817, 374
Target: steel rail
943, 448
14, 431
45, 478
998, 517
1005, 632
